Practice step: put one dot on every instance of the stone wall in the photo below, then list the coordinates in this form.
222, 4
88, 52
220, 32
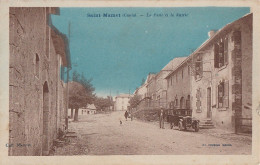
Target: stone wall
178, 87
236, 73
247, 57
161, 88
151, 88
33, 64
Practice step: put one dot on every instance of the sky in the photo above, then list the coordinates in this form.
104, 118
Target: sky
118, 52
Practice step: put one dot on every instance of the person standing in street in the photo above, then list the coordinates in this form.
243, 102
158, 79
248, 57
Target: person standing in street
126, 115
161, 117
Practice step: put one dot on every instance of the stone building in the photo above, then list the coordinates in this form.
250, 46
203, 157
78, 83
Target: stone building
179, 87
151, 87
157, 85
37, 94
142, 90
122, 102
90, 109
221, 85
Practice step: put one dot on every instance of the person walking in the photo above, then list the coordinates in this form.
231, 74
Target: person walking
126, 115
161, 117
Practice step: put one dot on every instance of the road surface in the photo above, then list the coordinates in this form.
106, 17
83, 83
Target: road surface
102, 134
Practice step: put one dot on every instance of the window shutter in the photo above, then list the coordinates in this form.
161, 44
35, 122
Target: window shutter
226, 51
221, 54
198, 95
216, 55
226, 94
198, 104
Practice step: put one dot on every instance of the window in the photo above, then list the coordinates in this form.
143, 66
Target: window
37, 66
176, 76
222, 92
188, 102
158, 97
221, 53
171, 80
198, 67
176, 102
182, 103
198, 101
171, 104
188, 70
182, 74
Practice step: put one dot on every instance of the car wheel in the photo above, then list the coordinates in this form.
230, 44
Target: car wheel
180, 126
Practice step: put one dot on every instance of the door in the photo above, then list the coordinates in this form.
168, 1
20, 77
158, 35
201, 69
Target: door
209, 103
45, 146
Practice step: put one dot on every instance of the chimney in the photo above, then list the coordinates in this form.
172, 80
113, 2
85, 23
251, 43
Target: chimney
211, 33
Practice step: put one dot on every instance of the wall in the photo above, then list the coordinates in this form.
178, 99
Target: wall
151, 88
121, 103
29, 35
247, 54
236, 73
142, 91
180, 87
161, 87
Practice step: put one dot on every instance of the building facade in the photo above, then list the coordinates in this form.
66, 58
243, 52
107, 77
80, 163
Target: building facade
89, 110
122, 102
157, 85
141, 91
179, 87
221, 85
37, 94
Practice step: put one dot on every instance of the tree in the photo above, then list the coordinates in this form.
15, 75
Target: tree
89, 88
134, 101
77, 97
80, 93
103, 103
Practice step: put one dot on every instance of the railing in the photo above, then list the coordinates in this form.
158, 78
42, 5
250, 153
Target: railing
180, 112
150, 104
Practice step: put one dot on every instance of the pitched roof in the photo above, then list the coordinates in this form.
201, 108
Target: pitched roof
221, 31
174, 63
91, 107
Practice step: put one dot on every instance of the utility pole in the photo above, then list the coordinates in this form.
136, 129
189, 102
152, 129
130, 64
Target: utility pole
68, 69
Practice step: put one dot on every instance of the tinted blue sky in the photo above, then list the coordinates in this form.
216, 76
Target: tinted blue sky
119, 52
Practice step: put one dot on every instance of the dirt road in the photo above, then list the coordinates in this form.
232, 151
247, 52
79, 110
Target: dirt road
102, 134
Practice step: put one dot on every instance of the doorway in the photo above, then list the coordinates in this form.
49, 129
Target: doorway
45, 146
209, 103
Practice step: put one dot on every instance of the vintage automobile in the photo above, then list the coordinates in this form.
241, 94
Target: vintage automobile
182, 118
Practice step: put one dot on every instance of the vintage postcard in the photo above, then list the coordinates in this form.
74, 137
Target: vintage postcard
129, 82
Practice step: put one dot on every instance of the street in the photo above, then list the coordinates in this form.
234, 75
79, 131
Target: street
102, 134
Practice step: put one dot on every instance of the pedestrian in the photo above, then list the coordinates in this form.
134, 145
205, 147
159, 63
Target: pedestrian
126, 115
161, 117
